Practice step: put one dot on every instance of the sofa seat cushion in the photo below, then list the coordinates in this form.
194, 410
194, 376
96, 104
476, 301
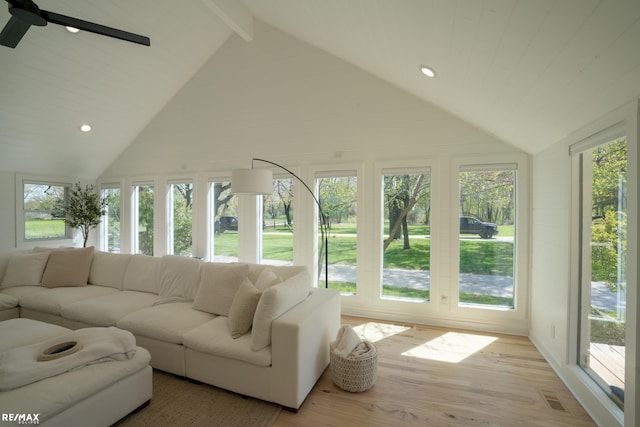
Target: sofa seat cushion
214, 338
7, 301
164, 322
52, 300
106, 310
20, 292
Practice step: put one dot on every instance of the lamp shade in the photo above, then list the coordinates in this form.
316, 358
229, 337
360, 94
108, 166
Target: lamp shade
251, 181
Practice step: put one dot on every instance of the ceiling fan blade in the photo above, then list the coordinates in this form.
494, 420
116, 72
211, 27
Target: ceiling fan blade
12, 32
56, 18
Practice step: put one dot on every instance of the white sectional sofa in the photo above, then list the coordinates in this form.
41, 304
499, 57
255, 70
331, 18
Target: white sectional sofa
258, 330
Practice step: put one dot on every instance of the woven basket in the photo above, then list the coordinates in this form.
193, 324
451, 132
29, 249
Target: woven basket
355, 374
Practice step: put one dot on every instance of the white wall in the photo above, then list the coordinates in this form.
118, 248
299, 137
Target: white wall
7, 210
278, 97
281, 99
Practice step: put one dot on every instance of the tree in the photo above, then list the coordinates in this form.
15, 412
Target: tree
488, 195
284, 190
402, 193
182, 219
85, 209
609, 204
221, 196
145, 219
337, 198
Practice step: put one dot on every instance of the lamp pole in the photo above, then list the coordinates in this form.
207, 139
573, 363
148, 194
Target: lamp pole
323, 218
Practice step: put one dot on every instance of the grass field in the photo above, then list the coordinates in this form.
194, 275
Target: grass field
44, 229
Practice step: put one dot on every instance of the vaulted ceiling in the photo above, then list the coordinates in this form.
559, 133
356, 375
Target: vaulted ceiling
528, 71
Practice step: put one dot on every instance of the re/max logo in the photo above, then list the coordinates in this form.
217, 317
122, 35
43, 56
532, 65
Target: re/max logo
21, 418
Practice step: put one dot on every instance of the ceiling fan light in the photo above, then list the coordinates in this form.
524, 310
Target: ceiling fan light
72, 29
85, 128
427, 71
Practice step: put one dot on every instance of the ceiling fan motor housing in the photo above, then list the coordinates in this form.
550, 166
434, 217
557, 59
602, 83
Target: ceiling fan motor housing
28, 12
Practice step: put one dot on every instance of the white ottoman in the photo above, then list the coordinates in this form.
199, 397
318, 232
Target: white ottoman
95, 395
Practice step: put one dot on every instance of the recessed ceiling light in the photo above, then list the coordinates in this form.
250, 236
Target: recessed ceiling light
85, 128
427, 71
72, 29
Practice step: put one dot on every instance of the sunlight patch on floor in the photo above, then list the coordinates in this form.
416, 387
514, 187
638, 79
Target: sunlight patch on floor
452, 347
378, 331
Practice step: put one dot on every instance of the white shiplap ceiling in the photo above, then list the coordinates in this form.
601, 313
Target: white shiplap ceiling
528, 71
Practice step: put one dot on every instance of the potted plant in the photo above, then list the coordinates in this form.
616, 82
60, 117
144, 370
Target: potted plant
85, 209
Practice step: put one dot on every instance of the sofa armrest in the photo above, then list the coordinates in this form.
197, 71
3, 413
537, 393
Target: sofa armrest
300, 345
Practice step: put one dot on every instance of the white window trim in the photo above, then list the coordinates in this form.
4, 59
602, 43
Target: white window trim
168, 209
309, 210
110, 184
132, 212
415, 309
519, 314
22, 179
205, 191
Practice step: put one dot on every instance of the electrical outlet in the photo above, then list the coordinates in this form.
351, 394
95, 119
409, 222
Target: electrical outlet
553, 331
444, 299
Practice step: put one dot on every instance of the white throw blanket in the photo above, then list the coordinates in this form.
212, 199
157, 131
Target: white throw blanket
346, 341
364, 350
20, 366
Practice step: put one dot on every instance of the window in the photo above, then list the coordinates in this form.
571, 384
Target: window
277, 229
487, 236
180, 221
602, 264
142, 203
43, 208
338, 199
223, 217
406, 239
110, 225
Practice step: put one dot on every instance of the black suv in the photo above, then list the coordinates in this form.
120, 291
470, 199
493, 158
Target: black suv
472, 225
226, 223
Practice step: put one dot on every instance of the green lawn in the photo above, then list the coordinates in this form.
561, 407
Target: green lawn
479, 257
44, 229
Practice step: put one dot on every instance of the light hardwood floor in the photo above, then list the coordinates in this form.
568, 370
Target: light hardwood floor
431, 376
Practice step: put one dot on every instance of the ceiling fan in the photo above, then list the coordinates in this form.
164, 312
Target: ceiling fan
25, 13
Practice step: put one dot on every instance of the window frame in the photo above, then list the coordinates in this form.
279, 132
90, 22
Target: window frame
21, 240
517, 317
168, 217
103, 241
309, 210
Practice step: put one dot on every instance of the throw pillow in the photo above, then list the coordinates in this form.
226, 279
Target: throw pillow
275, 301
25, 269
69, 267
266, 278
243, 308
219, 283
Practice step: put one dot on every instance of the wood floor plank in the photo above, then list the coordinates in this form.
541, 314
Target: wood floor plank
441, 377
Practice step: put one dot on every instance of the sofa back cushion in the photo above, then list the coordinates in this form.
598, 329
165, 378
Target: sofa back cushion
23, 269
108, 269
179, 276
142, 275
275, 301
283, 272
219, 283
68, 267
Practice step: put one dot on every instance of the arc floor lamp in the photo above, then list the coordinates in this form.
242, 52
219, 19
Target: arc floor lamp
260, 181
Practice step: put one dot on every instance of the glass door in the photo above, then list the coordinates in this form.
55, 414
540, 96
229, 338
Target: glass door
603, 253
